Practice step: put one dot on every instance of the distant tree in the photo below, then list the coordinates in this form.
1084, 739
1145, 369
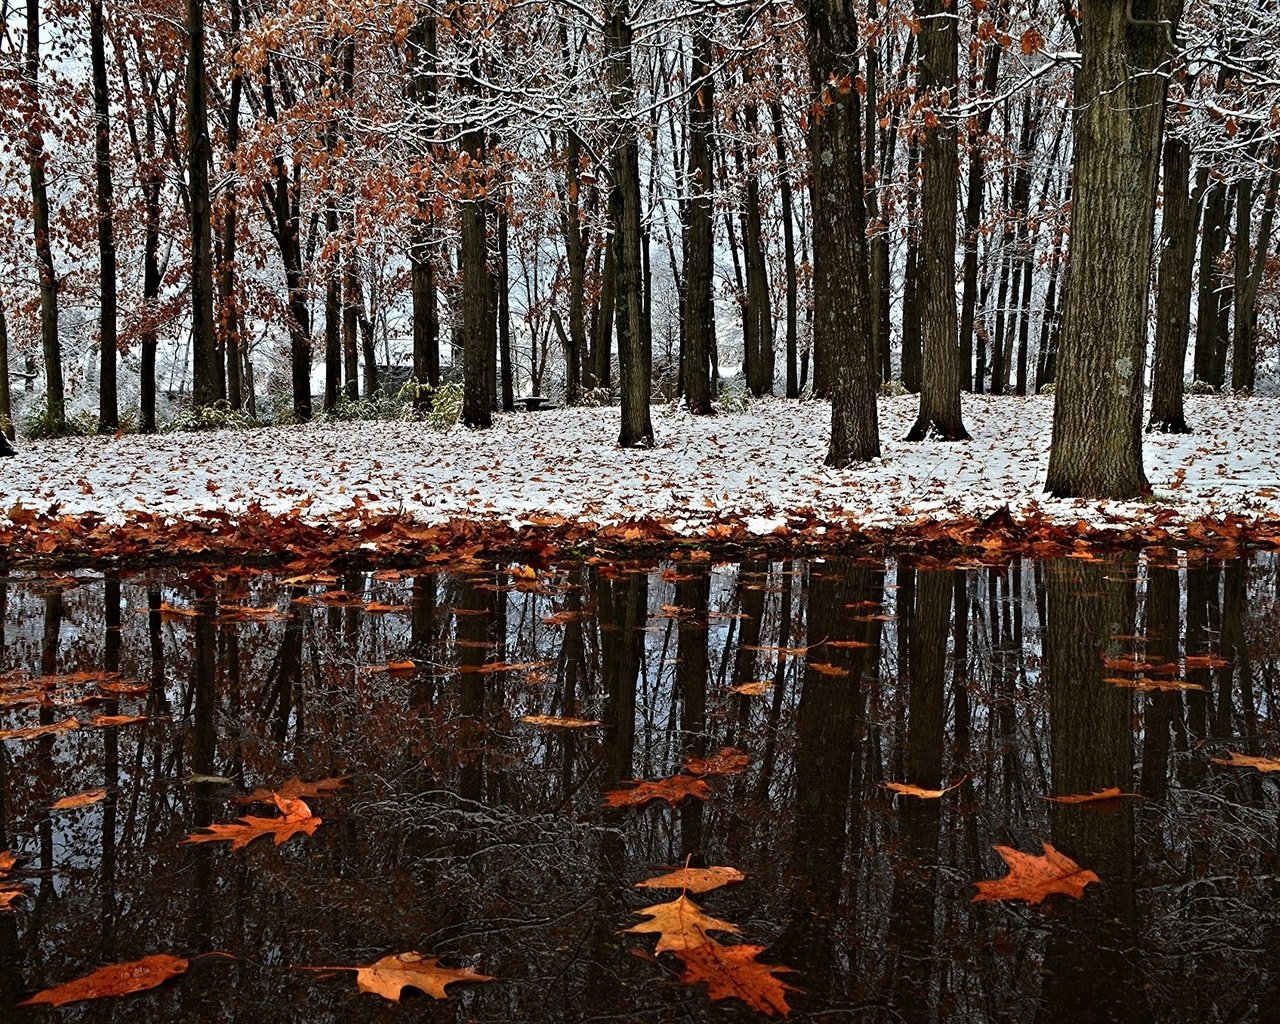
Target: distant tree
207, 386
699, 309
6, 406
1173, 290
108, 408
1119, 114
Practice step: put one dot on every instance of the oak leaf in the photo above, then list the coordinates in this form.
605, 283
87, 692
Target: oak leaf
389, 976
1145, 684
755, 689
295, 819
733, 972
1101, 796
295, 789
907, 789
695, 880
550, 721
114, 980
1235, 760
67, 803
106, 721
729, 761
32, 732
679, 924
1032, 877
672, 790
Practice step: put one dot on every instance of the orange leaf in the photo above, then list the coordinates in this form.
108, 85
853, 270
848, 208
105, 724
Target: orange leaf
32, 732
1144, 684
757, 689
84, 799
733, 972
825, 669
695, 880
1111, 793
560, 723
105, 721
392, 974
671, 790
296, 818
1032, 877
295, 789
906, 789
114, 980
679, 924
1234, 760
730, 761
1032, 42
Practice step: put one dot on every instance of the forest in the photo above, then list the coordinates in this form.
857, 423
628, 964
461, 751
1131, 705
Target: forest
260, 212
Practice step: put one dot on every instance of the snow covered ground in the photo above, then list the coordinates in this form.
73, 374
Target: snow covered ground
757, 467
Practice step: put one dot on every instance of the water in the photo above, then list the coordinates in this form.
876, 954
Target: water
470, 836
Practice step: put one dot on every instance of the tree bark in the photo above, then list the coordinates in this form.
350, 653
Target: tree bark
1211, 301
6, 406
1249, 269
229, 319
1173, 291
426, 314
842, 300
1097, 419
108, 399
205, 388
940, 415
699, 309
789, 247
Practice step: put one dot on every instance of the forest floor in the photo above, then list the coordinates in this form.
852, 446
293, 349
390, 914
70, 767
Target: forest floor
556, 477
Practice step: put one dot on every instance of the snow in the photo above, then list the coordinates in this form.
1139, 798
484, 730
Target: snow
759, 468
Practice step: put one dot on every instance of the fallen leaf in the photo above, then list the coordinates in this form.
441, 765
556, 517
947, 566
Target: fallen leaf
32, 732
679, 924
114, 980
106, 721
1111, 793
1032, 877
1235, 760
499, 666
1193, 661
694, 880
1142, 683
730, 761
389, 976
733, 972
906, 789
671, 790
295, 789
825, 669
560, 723
757, 689
84, 799
295, 819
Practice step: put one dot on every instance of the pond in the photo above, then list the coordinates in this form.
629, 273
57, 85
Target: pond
465, 833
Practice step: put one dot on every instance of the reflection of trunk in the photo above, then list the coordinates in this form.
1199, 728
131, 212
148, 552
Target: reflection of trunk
692, 596
1159, 706
1091, 963
911, 913
828, 773
474, 628
204, 739
112, 642
422, 636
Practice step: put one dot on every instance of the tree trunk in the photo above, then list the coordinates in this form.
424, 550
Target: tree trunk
699, 309
940, 414
205, 388
634, 343
6, 405
912, 363
151, 187
1097, 417
1173, 291
608, 300
477, 409
1210, 297
1244, 362
972, 218
55, 399
576, 254
789, 247
426, 314
842, 300
229, 319
503, 281
108, 400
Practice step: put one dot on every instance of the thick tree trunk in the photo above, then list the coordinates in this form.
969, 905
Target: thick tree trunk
477, 408
634, 343
1211, 297
502, 275
912, 354
229, 320
1249, 269
940, 414
760, 365
206, 387
842, 300
1097, 417
1173, 291
151, 186
108, 400
699, 309
55, 397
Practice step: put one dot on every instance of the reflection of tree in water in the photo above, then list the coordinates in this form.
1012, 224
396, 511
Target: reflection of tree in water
472, 837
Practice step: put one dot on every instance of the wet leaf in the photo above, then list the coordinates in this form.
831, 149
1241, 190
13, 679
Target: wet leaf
671, 790
1102, 795
68, 803
1235, 760
679, 924
756, 689
295, 819
1142, 683
493, 667
1032, 877
114, 980
560, 723
391, 975
295, 789
733, 972
825, 669
729, 761
694, 880
906, 789
106, 721
32, 732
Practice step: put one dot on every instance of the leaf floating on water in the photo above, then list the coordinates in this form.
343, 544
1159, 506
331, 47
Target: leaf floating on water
391, 975
756, 689
1143, 683
1235, 760
1032, 877
295, 789
106, 721
9, 891
114, 980
32, 732
730, 761
694, 880
85, 799
679, 924
1101, 796
295, 819
672, 790
826, 669
560, 723
492, 667
733, 972
906, 789
1193, 661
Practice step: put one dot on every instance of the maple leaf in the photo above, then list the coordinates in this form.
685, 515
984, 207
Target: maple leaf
695, 880
733, 972
1235, 760
32, 732
730, 761
84, 799
560, 723
1101, 796
295, 819
679, 924
906, 789
1032, 877
672, 790
295, 789
114, 980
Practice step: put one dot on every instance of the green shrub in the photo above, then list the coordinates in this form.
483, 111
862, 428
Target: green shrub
219, 416
446, 405
1049, 389
1200, 387
733, 399
39, 424
893, 389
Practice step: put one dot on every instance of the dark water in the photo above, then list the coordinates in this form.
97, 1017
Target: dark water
470, 836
